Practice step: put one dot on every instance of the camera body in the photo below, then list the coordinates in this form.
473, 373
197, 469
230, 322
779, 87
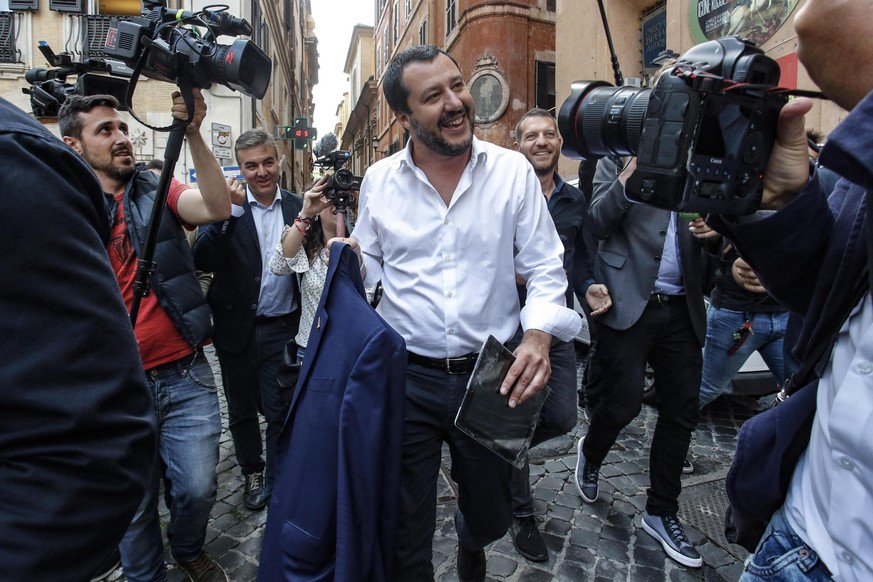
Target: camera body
171, 51
342, 183
702, 135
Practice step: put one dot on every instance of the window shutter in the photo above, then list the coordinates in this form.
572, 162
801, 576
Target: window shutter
24, 4
67, 5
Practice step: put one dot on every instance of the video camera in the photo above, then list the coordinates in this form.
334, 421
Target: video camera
341, 185
170, 50
157, 46
702, 135
49, 88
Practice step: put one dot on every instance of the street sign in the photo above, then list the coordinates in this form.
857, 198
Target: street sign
221, 135
223, 153
229, 172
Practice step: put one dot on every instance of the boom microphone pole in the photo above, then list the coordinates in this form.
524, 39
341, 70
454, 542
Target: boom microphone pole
619, 80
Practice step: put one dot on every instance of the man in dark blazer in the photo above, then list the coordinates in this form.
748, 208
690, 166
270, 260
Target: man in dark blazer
652, 264
255, 312
333, 515
77, 423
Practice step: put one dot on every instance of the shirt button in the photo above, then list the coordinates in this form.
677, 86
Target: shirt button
847, 558
449, 294
254, 305
865, 368
847, 464
451, 331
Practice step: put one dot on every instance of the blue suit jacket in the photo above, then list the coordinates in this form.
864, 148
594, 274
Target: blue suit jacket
333, 511
231, 252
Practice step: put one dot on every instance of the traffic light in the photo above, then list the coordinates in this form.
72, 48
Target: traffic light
300, 133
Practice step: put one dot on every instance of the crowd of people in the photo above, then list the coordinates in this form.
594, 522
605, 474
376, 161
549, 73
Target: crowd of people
100, 412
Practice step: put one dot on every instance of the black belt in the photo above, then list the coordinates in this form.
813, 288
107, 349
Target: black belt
460, 365
262, 319
664, 299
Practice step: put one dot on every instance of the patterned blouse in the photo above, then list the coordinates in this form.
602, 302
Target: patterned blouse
310, 277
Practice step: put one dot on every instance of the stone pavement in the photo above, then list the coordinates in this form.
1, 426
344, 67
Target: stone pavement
597, 542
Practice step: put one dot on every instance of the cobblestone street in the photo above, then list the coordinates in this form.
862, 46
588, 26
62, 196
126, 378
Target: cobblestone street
599, 542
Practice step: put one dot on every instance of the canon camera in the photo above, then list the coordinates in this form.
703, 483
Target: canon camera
702, 134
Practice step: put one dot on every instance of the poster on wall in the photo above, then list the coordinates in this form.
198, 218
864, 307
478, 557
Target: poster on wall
755, 20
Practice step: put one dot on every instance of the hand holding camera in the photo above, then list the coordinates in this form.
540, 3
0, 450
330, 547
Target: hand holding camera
788, 168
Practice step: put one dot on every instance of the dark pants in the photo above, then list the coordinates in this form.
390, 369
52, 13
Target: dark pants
665, 338
432, 401
250, 387
557, 417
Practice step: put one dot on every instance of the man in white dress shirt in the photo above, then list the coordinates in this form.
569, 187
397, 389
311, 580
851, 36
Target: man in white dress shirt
446, 223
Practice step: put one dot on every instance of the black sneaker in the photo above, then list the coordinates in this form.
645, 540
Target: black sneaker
527, 539
255, 496
667, 530
687, 466
471, 565
203, 568
586, 476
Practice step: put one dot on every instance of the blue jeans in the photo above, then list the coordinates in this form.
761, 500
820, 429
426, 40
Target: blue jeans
719, 367
189, 425
781, 556
557, 417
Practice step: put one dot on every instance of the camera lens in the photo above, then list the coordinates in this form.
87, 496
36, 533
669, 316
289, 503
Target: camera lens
343, 179
598, 119
242, 66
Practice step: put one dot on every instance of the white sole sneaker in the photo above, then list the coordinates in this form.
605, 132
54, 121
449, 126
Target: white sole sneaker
684, 560
580, 461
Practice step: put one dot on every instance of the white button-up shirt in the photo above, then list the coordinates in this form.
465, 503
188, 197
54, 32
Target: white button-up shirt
448, 273
830, 501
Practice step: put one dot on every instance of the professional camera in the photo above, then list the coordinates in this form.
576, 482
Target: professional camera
170, 51
342, 183
702, 135
49, 88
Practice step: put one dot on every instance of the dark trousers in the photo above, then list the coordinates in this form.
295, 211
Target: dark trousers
664, 337
432, 401
557, 417
250, 388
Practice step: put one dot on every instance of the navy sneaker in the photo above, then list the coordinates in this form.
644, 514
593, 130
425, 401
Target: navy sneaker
586, 476
667, 530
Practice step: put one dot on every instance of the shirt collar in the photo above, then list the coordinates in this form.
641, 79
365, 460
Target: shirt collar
254, 202
478, 155
559, 183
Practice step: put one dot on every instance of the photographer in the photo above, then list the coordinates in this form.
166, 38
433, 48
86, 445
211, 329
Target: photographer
811, 251
303, 250
173, 325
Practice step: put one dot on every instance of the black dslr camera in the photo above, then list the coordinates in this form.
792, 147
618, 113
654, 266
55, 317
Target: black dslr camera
170, 50
702, 135
342, 183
